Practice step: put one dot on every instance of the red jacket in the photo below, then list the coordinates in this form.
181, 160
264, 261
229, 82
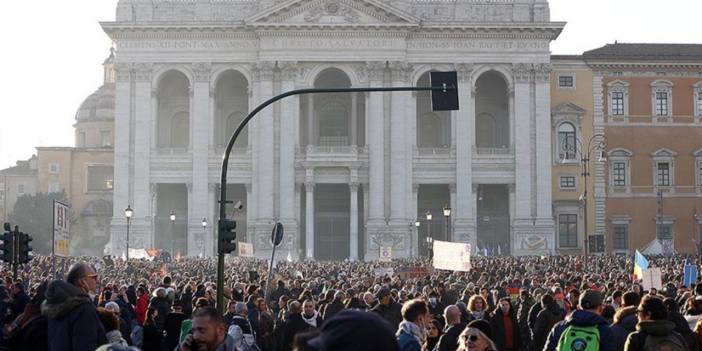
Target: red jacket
141, 306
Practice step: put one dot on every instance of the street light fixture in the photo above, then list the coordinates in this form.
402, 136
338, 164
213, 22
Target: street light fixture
447, 216
429, 238
430, 247
128, 213
577, 149
173, 218
204, 234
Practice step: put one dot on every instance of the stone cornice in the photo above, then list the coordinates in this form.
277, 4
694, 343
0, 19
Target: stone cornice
603, 66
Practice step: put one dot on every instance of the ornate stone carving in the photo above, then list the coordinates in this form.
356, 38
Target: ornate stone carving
522, 72
332, 12
464, 71
542, 72
309, 186
264, 69
143, 72
361, 72
122, 72
401, 71
288, 70
202, 71
375, 69
353, 187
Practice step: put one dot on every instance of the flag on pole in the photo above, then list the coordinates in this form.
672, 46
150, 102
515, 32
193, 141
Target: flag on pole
640, 263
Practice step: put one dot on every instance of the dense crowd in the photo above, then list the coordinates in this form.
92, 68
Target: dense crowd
502, 304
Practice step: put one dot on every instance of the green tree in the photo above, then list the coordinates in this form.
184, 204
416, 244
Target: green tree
34, 215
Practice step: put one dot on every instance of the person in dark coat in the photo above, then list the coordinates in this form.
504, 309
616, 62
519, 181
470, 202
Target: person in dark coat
152, 336
336, 306
281, 290
387, 307
30, 330
172, 326
293, 326
681, 325
355, 330
625, 319
653, 322
523, 308
505, 329
163, 305
548, 316
72, 317
588, 314
19, 300
454, 326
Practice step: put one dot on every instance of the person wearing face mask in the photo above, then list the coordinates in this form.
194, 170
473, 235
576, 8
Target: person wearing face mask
73, 319
411, 334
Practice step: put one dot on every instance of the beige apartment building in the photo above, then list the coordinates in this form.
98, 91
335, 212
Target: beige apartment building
15, 182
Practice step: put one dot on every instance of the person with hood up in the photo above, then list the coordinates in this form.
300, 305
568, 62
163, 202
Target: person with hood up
654, 331
549, 315
411, 334
586, 316
73, 318
625, 319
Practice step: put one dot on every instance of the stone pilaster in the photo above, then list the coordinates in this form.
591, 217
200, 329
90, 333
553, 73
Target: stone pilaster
376, 150
122, 155
200, 141
462, 211
289, 125
141, 230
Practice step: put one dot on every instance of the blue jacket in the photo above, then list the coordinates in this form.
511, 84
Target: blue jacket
408, 342
624, 323
73, 320
583, 319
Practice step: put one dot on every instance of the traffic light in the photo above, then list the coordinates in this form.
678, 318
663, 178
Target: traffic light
24, 248
227, 236
6, 245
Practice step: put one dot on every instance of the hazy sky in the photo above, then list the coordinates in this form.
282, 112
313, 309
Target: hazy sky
52, 50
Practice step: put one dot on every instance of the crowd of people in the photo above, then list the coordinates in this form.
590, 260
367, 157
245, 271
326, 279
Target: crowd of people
502, 304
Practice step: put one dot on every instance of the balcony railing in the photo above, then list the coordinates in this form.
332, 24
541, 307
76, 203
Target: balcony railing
433, 151
493, 151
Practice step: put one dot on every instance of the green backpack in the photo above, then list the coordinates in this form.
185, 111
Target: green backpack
577, 338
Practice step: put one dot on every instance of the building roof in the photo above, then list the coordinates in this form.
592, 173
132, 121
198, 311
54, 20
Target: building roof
23, 167
646, 52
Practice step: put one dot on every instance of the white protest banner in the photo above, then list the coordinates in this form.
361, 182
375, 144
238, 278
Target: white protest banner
384, 271
246, 249
385, 254
652, 279
61, 227
452, 256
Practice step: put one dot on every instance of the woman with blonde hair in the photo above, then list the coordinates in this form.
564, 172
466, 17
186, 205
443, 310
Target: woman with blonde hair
476, 337
478, 308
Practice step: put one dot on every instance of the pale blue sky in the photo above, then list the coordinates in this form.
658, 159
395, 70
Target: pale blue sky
51, 52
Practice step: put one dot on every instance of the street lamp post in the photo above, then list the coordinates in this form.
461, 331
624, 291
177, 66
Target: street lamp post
430, 247
447, 217
582, 152
173, 240
429, 238
128, 212
416, 231
204, 234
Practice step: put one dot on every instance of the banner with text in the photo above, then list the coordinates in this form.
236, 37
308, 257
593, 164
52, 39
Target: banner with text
245, 249
451, 256
652, 279
61, 227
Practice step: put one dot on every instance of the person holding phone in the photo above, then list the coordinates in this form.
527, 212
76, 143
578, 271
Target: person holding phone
208, 333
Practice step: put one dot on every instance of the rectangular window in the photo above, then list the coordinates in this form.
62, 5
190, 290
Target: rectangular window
663, 174
105, 138
568, 230
53, 168
567, 182
618, 103
100, 178
20, 189
565, 81
619, 173
699, 102
699, 172
664, 231
661, 103
53, 187
620, 237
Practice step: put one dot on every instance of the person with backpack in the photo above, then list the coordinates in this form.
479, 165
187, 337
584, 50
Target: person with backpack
240, 329
584, 329
654, 331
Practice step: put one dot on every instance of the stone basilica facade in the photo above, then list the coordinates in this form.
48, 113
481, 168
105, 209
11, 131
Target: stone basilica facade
345, 173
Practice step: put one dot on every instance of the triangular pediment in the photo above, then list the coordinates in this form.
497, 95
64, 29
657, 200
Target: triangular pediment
568, 108
332, 12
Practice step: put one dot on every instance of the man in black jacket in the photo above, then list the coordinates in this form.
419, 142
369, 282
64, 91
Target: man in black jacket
73, 319
336, 306
387, 308
294, 325
453, 329
172, 326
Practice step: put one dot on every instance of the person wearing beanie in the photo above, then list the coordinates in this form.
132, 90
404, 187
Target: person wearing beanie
477, 337
587, 315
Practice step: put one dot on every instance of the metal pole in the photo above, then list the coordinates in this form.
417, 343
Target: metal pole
128, 222
53, 241
268, 278
585, 174
245, 121
15, 252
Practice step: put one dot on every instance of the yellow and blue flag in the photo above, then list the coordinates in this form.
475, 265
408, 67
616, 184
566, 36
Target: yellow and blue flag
640, 263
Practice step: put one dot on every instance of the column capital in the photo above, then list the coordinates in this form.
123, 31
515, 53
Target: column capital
452, 187
375, 68
202, 71
288, 70
401, 71
143, 71
415, 187
123, 72
542, 72
464, 71
361, 71
353, 187
475, 187
522, 72
248, 187
309, 186
264, 69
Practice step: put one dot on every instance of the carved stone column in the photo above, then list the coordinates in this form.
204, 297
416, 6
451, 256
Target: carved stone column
353, 221
464, 207
200, 150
